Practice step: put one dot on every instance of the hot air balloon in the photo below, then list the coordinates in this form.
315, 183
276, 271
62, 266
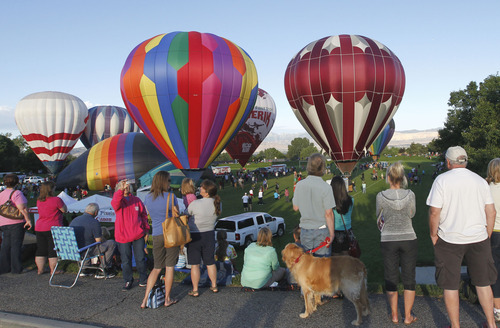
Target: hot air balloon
124, 156
344, 89
51, 123
105, 122
190, 93
382, 140
254, 131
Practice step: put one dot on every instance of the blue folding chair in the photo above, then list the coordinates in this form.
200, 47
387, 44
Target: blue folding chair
67, 250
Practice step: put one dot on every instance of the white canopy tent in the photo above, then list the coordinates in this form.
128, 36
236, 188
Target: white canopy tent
106, 212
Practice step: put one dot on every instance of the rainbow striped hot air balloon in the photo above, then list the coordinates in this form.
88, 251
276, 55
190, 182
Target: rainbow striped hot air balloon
189, 93
382, 140
126, 155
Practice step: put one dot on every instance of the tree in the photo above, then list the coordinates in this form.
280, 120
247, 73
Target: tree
296, 146
223, 157
20, 143
9, 154
308, 151
416, 149
272, 153
474, 123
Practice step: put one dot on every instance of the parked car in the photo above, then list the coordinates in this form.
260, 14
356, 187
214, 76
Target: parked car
33, 179
242, 229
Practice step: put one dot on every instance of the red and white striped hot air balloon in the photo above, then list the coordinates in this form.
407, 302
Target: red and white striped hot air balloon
51, 123
344, 89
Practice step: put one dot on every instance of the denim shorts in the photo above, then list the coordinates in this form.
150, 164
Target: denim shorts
311, 238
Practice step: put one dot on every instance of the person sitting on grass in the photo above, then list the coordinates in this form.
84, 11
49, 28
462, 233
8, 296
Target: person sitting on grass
261, 268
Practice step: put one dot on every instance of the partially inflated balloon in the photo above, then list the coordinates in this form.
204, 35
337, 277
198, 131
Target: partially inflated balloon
382, 140
344, 90
124, 156
51, 123
189, 93
256, 127
105, 122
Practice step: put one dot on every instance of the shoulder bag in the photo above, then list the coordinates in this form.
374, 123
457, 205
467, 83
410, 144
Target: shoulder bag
175, 229
354, 249
9, 210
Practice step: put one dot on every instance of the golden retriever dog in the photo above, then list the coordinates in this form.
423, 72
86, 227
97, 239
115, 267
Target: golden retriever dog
318, 276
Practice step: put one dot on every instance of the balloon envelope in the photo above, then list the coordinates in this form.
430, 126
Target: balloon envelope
382, 140
51, 123
124, 156
189, 93
344, 89
254, 131
105, 122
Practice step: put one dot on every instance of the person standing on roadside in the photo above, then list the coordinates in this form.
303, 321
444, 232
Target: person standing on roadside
313, 197
131, 232
493, 179
461, 219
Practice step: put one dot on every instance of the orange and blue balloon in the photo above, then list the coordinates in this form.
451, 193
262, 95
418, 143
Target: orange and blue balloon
189, 92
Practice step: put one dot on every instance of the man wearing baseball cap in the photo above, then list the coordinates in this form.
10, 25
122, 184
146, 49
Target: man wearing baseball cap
461, 219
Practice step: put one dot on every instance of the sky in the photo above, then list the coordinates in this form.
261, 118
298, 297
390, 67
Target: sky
79, 47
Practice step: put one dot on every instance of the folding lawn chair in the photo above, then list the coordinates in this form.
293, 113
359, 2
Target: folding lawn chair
67, 250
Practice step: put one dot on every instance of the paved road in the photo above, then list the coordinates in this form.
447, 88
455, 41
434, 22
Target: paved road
102, 303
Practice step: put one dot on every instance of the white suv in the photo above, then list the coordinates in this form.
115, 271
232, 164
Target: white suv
33, 179
242, 229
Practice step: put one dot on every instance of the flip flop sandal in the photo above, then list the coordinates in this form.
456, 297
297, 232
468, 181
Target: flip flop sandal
214, 289
412, 321
171, 302
194, 293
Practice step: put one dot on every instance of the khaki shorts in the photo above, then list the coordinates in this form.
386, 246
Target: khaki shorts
477, 256
164, 257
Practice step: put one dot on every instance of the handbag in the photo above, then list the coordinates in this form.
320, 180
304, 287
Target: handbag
380, 221
9, 210
354, 249
175, 229
156, 297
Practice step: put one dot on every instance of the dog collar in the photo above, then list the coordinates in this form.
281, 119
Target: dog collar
298, 258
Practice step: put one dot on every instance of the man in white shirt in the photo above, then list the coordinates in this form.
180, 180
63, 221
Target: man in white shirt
245, 202
461, 219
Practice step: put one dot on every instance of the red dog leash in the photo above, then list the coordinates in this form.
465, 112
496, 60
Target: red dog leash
321, 245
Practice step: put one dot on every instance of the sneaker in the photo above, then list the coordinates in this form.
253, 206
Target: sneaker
107, 275
143, 284
128, 286
86, 273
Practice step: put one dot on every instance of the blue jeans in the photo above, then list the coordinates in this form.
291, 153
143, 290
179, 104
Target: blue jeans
311, 238
10, 253
140, 261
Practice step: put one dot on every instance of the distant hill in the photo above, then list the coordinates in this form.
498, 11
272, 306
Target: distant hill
280, 141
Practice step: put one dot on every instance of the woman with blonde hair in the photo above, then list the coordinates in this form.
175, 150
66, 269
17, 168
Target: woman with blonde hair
50, 213
204, 213
493, 179
188, 191
156, 202
261, 267
398, 240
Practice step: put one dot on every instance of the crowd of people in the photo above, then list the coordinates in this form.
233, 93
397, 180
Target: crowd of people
464, 222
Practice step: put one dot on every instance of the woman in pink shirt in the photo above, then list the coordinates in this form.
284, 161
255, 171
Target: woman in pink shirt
50, 213
131, 232
12, 230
